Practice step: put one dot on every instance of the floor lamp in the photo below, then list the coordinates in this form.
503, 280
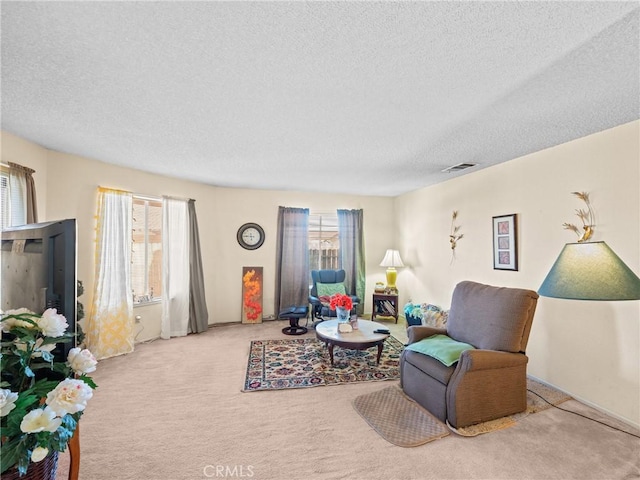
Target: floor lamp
590, 271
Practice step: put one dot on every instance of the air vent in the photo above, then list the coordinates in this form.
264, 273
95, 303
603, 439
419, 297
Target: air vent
458, 167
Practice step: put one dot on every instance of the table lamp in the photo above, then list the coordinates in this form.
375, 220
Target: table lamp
392, 260
590, 271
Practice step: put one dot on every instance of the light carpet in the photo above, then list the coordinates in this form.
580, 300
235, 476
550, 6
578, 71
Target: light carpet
304, 362
174, 410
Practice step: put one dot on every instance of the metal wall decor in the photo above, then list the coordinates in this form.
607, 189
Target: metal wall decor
588, 219
455, 235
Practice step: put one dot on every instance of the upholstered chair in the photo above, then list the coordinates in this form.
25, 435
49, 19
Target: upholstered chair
325, 284
489, 379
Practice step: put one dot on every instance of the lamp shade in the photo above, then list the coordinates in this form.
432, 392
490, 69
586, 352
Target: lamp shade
590, 271
392, 259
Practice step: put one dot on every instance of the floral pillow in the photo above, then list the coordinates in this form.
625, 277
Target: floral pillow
426, 314
435, 317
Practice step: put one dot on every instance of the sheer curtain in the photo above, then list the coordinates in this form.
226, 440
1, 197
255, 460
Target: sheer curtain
198, 313
22, 192
109, 326
175, 268
350, 231
292, 258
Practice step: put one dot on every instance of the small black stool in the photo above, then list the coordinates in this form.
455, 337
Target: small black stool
294, 314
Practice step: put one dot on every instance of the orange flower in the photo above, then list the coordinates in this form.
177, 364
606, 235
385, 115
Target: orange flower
341, 300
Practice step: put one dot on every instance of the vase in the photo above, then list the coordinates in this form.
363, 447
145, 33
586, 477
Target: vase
342, 314
42, 470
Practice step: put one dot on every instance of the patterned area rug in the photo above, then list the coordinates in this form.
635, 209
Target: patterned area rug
304, 362
398, 419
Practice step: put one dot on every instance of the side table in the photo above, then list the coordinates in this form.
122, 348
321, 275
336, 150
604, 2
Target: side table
385, 305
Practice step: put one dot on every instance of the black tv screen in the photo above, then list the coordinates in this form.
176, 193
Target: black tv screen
39, 269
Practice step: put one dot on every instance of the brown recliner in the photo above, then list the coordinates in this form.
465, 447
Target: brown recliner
488, 382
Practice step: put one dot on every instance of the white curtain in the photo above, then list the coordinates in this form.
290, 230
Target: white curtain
175, 268
109, 326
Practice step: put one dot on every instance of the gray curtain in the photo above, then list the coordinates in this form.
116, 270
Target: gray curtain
198, 313
350, 232
26, 208
292, 258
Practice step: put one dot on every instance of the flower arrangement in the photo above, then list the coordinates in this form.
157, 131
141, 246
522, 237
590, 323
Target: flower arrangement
41, 397
341, 300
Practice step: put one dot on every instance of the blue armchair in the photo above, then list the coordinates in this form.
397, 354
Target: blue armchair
325, 284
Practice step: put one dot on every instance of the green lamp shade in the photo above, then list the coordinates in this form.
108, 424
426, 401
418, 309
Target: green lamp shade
590, 271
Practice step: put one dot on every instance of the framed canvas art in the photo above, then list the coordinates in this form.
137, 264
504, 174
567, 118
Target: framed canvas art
251, 294
505, 243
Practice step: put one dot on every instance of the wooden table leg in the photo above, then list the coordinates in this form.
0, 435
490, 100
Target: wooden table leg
380, 347
74, 454
330, 345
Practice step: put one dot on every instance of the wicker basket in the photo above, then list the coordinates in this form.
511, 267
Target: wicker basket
42, 470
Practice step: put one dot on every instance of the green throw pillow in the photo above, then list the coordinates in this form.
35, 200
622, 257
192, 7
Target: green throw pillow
440, 347
329, 289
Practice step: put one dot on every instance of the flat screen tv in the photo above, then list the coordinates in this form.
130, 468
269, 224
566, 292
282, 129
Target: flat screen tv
39, 270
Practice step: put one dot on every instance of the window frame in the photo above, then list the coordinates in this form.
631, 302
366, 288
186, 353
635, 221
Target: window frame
147, 199
321, 223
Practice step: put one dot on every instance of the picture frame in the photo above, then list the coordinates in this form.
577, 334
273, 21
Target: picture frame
505, 242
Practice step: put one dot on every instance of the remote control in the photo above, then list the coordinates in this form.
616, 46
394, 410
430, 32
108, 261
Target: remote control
380, 330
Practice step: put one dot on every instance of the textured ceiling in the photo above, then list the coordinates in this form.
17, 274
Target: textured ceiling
372, 98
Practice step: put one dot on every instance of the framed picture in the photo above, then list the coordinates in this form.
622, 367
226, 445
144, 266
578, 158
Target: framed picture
505, 242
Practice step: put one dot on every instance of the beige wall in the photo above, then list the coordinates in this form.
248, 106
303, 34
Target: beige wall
589, 349
67, 184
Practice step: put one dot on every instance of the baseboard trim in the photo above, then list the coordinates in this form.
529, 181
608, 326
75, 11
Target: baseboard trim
591, 404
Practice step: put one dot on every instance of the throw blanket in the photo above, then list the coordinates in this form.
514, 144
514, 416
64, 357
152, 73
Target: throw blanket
441, 347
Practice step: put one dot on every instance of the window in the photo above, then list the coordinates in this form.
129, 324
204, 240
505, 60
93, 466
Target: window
13, 201
146, 251
5, 220
324, 243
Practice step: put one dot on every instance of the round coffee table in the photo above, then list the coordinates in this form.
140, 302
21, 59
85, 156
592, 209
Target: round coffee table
359, 339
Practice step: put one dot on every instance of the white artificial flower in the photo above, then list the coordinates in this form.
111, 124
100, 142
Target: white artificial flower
38, 348
18, 311
39, 453
9, 323
7, 401
40, 420
52, 323
81, 361
69, 396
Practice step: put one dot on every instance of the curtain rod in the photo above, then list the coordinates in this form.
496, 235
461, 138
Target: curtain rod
144, 196
17, 166
110, 189
178, 198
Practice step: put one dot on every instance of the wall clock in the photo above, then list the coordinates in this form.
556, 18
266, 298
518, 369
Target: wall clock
250, 236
